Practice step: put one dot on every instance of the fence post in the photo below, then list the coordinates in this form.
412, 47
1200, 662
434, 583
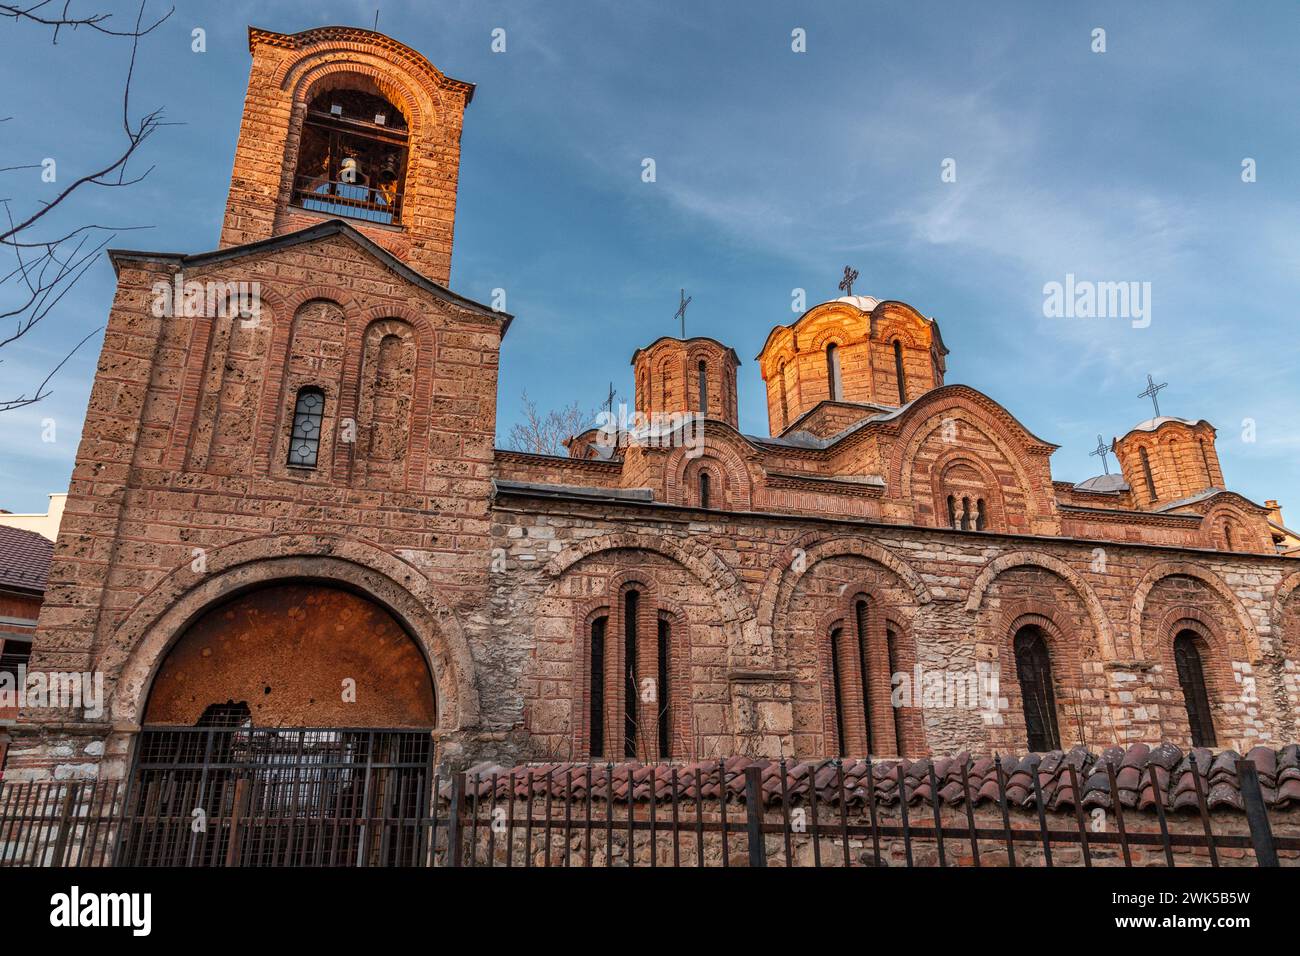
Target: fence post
754, 816
1261, 834
454, 822
237, 812
70, 804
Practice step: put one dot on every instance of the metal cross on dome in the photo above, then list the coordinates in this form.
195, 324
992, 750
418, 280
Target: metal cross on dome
681, 311
1100, 451
1152, 390
850, 277
609, 399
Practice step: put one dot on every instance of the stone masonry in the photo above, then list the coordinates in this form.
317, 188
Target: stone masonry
859, 579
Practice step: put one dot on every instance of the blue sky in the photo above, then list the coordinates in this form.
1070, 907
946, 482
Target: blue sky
774, 169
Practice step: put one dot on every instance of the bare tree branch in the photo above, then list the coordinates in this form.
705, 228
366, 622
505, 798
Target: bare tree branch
95, 21
545, 434
46, 267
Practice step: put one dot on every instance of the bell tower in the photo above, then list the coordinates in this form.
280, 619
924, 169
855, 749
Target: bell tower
344, 123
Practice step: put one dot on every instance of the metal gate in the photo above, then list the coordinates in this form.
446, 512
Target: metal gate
261, 796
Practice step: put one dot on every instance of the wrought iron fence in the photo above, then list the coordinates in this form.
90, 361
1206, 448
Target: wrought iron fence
370, 798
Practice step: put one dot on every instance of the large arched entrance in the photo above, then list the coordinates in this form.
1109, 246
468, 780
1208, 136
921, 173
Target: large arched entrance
296, 654
289, 725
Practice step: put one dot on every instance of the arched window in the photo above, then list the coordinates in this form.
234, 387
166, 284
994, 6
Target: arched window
1146, 473
1034, 673
863, 658
629, 703
352, 157
631, 604
1227, 534
304, 440
891, 646
703, 371
785, 405
953, 520
663, 695
597, 689
833, 372
864, 669
981, 515
898, 372
1205, 460
704, 489
837, 693
1191, 675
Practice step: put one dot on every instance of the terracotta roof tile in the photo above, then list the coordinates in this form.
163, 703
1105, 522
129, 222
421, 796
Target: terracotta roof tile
1176, 773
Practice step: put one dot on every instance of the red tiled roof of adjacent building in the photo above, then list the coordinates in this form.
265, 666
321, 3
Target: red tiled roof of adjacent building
1174, 770
24, 559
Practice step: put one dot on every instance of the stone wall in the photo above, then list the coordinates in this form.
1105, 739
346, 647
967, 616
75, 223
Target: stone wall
776, 585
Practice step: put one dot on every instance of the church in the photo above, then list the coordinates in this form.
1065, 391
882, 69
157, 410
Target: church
288, 510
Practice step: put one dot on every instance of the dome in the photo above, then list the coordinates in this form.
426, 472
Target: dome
1151, 424
1103, 483
864, 302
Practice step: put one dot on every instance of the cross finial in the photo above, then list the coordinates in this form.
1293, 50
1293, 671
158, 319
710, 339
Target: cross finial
1100, 451
609, 399
1151, 391
681, 311
850, 277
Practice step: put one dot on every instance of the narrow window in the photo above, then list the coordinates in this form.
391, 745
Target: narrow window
891, 645
952, 512
898, 372
981, 519
704, 489
1205, 459
860, 618
1146, 473
631, 602
1227, 534
785, 405
663, 692
597, 695
304, 442
965, 514
833, 371
838, 698
1034, 672
1191, 675
703, 371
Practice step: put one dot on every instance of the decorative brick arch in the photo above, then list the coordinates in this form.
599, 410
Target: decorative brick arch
1248, 634
920, 429
1246, 527
699, 560
738, 489
419, 100
151, 627
1101, 624
618, 570
780, 582
996, 519
1278, 609
271, 413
